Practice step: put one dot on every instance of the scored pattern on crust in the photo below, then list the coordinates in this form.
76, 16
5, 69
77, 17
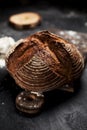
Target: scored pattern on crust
44, 61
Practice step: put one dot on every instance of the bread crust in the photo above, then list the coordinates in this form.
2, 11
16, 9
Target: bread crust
53, 53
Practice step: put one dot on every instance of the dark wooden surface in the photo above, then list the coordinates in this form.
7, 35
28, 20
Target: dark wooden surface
62, 110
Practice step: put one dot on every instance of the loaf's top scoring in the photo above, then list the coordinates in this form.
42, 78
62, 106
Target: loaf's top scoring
44, 61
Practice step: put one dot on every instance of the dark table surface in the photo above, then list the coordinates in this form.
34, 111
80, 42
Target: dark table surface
62, 110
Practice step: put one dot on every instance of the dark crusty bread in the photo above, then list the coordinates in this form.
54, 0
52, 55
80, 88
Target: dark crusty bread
59, 56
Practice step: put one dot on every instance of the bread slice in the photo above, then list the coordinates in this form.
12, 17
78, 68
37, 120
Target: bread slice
25, 20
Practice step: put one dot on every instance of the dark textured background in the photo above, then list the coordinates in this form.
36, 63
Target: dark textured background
62, 110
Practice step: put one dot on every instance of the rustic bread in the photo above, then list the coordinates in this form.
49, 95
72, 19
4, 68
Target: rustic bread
44, 61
